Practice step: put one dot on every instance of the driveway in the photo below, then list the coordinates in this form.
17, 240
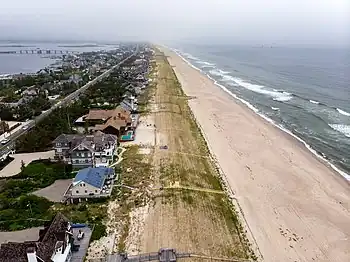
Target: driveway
14, 167
54, 192
31, 234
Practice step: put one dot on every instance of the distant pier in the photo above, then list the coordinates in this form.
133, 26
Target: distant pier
38, 52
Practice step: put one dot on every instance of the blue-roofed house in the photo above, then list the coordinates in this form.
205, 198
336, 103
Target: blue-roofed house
92, 182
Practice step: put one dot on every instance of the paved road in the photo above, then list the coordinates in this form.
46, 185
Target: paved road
5, 149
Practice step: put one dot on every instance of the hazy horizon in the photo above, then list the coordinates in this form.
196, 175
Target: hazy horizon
252, 22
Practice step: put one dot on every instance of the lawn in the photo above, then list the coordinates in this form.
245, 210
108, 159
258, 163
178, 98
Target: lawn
19, 209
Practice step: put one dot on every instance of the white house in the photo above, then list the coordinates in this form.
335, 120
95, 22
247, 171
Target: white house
91, 182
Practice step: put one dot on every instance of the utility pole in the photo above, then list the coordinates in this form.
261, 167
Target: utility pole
30, 208
68, 119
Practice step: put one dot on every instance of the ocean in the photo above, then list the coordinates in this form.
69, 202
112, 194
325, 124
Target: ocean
31, 63
303, 91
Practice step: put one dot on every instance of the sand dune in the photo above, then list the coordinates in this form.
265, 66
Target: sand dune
296, 206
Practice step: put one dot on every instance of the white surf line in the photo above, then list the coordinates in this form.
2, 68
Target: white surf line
255, 110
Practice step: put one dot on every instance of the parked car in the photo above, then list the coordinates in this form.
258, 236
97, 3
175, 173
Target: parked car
24, 127
4, 141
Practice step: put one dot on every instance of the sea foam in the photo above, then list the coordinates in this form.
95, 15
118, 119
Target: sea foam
314, 102
276, 95
191, 56
344, 129
343, 112
206, 64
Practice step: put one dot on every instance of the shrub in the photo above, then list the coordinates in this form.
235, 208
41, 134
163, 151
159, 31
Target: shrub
99, 231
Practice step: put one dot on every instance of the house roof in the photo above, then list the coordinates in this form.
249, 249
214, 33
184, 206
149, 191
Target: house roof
67, 138
96, 142
44, 247
94, 176
119, 112
97, 114
115, 123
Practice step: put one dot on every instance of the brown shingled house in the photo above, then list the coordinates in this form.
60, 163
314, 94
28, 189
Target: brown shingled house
54, 244
115, 121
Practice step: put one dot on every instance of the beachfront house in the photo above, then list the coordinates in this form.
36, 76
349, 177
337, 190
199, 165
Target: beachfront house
54, 244
116, 121
92, 182
85, 150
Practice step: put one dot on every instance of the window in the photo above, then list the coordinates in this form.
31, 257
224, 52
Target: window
77, 191
86, 160
95, 191
59, 150
81, 184
77, 161
85, 191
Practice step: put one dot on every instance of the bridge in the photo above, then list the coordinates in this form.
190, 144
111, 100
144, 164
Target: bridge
38, 52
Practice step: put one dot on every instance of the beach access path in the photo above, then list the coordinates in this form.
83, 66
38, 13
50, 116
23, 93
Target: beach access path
296, 207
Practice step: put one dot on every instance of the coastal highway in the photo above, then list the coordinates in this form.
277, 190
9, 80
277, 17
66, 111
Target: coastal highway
5, 149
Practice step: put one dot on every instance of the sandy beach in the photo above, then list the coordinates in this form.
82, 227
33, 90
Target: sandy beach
296, 207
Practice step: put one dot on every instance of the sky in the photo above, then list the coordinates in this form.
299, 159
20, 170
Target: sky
299, 22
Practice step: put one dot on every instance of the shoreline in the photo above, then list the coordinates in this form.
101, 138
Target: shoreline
272, 193
290, 133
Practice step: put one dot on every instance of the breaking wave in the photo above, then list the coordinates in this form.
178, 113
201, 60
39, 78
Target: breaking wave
206, 64
344, 129
191, 56
314, 102
343, 112
275, 108
276, 95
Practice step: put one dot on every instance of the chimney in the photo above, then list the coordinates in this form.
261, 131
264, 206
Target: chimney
31, 255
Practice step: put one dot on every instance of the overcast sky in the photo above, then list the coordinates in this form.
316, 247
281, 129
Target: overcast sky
235, 21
